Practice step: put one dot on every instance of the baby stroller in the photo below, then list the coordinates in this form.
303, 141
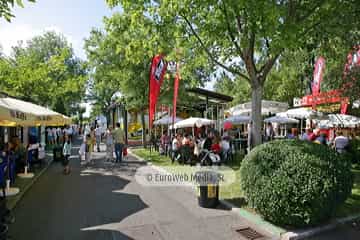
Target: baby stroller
208, 158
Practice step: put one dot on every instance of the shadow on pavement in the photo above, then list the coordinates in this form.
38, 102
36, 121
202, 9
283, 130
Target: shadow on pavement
87, 204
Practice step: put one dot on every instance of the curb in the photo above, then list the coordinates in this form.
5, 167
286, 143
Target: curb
302, 234
28, 186
256, 219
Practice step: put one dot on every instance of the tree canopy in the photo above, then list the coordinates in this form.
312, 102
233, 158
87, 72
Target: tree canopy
246, 38
6, 7
45, 71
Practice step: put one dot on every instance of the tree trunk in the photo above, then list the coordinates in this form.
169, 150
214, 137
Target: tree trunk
143, 128
256, 97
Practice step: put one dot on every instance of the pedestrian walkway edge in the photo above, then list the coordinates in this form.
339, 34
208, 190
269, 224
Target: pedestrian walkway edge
256, 219
303, 234
28, 186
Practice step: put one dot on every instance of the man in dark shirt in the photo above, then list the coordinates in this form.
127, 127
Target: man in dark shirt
208, 141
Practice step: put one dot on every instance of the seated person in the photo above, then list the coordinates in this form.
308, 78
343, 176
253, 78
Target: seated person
208, 141
341, 142
215, 147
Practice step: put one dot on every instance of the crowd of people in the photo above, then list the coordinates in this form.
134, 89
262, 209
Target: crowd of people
56, 135
339, 140
206, 149
114, 140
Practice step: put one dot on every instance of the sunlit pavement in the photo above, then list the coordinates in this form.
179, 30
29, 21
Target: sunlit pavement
103, 201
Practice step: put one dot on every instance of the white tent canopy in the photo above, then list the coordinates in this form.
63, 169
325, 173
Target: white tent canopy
267, 107
281, 120
339, 120
167, 120
193, 122
238, 119
301, 113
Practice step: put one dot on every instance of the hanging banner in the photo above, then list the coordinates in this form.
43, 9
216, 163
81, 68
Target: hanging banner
157, 72
176, 89
318, 75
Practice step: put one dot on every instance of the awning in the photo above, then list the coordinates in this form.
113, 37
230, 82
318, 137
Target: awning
17, 112
280, 120
302, 113
339, 120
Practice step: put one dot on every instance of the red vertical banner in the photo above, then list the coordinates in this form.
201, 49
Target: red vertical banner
318, 75
176, 89
157, 72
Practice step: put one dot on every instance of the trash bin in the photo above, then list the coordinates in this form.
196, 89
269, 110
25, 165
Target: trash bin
208, 188
57, 152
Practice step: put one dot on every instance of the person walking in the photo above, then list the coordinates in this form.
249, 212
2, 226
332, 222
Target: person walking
98, 137
55, 136
119, 142
92, 138
50, 136
67, 154
109, 144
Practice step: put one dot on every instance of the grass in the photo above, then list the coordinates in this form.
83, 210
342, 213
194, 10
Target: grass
231, 192
352, 204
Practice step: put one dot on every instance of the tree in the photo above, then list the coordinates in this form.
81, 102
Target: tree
120, 57
246, 38
6, 8
45, 72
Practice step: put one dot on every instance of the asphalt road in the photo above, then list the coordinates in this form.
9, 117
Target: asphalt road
103, 201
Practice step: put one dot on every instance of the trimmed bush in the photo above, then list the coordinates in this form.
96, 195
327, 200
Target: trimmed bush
296, 183
354, 150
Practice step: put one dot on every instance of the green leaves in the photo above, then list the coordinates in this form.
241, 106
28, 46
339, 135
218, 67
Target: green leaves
6, 8
45, 72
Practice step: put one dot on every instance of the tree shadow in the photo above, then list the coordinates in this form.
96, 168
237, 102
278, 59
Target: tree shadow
64, 207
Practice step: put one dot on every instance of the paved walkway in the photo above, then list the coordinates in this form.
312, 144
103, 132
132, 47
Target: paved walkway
104, 201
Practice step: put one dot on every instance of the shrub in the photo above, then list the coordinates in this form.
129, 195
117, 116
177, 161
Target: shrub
354, 150
297, 183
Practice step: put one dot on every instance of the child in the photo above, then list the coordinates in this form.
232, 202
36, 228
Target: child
67, 153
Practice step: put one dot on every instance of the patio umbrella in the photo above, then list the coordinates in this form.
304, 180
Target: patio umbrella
167, 120
238, 119
281, 120
193, 121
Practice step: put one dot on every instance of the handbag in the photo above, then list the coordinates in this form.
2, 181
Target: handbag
125, 152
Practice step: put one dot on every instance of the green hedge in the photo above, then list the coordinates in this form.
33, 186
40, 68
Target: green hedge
297, 183
354, 150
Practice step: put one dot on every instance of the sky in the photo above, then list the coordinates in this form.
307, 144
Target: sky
73, 18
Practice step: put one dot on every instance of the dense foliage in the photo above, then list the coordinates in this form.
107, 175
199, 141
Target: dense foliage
246, 38
45, 71
6, 8
295, 182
